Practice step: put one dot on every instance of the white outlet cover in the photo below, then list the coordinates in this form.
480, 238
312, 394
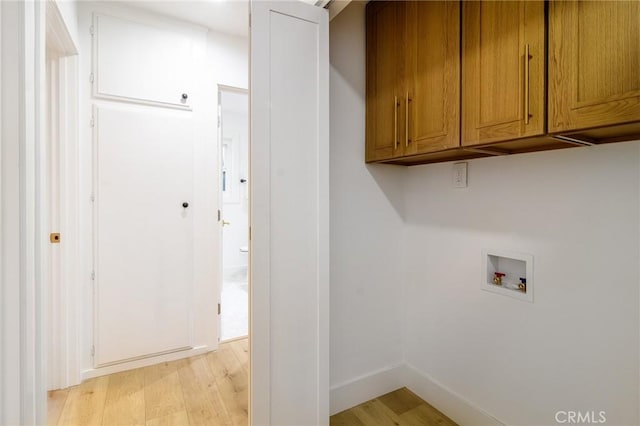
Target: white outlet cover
460, 175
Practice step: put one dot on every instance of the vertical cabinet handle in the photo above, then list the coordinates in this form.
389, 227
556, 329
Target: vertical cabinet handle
527, 57
406, 123
395, 122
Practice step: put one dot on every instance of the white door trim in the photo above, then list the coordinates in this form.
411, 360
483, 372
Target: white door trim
63, 349
23, 69
225, 88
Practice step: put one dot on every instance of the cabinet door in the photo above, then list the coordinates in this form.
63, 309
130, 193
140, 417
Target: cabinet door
385, 69
502, 71
594, 63
432, 98
134, 62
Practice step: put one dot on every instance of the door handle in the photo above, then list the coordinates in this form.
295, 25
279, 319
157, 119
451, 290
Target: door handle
527, 58
225, 223
395, 122
407, 141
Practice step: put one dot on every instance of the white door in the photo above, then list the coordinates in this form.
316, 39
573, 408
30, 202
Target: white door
289, 214
155, 242
144, 232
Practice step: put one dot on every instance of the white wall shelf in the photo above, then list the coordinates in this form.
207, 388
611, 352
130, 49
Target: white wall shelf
514, 267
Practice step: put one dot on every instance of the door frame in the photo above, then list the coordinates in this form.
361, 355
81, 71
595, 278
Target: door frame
22, 375
232, 89
62, 293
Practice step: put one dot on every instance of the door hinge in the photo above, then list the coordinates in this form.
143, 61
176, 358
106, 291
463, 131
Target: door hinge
93, 275
91, 121
93, 350
91, 78
219, 309
91, 31
249, 233
249, 20
219, 215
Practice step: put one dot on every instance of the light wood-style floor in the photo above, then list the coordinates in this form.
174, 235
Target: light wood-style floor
400, 407
207, 390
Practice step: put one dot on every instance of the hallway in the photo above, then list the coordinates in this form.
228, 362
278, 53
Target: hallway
209, 389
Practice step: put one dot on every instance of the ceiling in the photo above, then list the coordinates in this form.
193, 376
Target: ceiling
226, 16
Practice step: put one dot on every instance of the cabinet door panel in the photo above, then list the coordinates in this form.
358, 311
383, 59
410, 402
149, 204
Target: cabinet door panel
502, 85
594, 58
384, 75
433, 53
134, 62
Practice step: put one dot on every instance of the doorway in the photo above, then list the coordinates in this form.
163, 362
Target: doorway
234, 189
279, 58
147, 308
147, 264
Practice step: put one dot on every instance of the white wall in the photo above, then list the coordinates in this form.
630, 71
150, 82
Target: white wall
69, 12
10, 195
576, 347
366, 225
228, 58
576, 211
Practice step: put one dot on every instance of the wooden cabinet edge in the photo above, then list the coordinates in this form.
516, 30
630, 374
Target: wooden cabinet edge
463, 153
627, 132
621, 132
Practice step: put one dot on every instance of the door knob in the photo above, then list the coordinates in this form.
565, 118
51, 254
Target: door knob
185, 205
185, 96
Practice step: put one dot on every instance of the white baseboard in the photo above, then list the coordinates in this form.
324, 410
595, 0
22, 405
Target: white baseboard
145, 362
364, 388
454, 406
349, 394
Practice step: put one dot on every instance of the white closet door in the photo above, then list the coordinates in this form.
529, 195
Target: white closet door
289, 214
135, 62
144, 235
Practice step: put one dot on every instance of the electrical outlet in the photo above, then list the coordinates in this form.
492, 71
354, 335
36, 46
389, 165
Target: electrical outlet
460, 175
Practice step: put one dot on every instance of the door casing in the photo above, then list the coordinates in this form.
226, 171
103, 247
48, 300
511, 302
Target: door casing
232, 89
61, 194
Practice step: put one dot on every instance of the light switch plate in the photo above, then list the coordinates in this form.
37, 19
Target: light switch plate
460, 175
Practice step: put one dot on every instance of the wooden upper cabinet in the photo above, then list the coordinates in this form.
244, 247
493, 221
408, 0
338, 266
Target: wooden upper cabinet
385, 80
594, 64
432, 97
503, 71
413, 78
